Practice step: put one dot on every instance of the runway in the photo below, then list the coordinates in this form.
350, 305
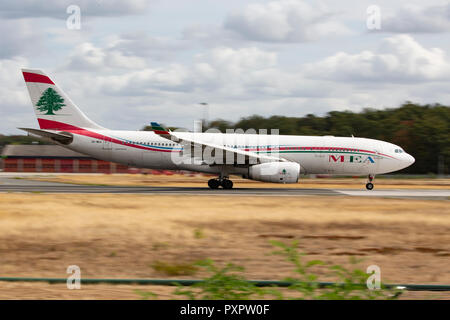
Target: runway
22, 185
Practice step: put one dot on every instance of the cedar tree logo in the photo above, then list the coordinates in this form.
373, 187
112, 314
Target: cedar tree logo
50, 101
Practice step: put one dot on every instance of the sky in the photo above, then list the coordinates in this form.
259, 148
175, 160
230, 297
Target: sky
136, 61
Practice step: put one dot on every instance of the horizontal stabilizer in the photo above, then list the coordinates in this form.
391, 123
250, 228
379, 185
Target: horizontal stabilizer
61, 137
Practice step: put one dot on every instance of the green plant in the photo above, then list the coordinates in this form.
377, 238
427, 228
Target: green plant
145, 295
351, 284
224, 283
229, 283
305, 280
199, 234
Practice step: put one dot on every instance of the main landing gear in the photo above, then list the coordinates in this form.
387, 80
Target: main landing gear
369, 184
224, 183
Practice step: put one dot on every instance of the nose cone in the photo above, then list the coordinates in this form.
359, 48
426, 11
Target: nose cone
408, 160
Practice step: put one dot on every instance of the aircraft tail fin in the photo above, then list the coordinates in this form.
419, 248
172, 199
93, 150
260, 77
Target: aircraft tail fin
54, 109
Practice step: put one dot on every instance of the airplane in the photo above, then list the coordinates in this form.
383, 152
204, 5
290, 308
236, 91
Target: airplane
260, 157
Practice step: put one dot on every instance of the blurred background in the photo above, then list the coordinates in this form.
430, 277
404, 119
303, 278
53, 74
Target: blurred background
377, 69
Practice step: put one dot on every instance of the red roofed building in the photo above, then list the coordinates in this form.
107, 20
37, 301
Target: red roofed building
54, 158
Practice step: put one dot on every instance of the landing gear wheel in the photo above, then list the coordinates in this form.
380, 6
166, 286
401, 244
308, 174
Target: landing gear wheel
213, 183
227, 184
369, 185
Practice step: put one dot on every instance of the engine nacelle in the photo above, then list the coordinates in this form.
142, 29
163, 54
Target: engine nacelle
278, 172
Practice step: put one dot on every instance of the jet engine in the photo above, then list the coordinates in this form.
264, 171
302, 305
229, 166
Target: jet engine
278, 172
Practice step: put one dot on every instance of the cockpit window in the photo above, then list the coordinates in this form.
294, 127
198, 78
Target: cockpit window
398, 151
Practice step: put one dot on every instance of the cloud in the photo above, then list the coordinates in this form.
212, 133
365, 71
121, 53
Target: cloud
12, 81
57, 8
236, 82
285, 21
398, 59
235, 62
210, 35
143, 45
417, 19
130, 51
221, 70
15, 105
18, 38
88, 57
235, 72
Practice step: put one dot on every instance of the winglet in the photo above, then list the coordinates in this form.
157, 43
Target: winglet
158, 129
161, 131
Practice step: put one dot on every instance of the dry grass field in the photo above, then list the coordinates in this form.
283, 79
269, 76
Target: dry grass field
124, 236
201, 180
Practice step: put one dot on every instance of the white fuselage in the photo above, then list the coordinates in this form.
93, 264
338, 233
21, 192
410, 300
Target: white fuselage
315, 154
61, 120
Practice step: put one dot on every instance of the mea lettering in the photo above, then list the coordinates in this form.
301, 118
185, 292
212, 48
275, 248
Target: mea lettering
351, 159
246, 309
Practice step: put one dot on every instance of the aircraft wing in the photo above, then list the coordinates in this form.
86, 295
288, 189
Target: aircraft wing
245, 157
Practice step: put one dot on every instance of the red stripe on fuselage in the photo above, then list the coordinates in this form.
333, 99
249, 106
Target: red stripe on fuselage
34, 77
326, 149
55, 125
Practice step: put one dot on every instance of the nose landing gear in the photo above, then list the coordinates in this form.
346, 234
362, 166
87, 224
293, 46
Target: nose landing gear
223, 182
369, 184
